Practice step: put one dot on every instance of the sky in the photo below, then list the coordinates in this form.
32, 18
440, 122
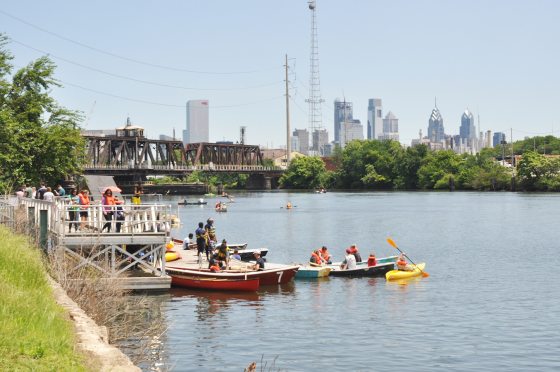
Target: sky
146, 59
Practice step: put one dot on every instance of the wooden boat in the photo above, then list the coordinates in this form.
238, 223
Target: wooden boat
272, 275
308, 271
198, 202
360, 271
172, 256
215, 284
402, 274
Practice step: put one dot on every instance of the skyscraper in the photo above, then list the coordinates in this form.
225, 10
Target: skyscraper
351, 130
436, 132
319, 140
375, 118
498, 138
390, 127
467, 131
303, 137
197, 122
342, 113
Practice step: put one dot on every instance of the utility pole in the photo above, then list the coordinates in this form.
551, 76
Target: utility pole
288, 142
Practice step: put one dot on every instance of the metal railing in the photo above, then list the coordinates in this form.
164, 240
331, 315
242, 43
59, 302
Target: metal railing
186, 168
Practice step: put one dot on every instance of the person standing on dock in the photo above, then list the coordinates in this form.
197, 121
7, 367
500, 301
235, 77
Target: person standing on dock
74, 210
201, 241
84, 202
108, 202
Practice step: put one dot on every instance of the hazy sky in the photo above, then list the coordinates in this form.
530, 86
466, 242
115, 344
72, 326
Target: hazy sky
145, 59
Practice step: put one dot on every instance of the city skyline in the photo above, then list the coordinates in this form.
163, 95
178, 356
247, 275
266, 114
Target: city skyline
502, 69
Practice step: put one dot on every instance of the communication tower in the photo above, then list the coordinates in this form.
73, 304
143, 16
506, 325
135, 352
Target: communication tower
314, 100
242, 133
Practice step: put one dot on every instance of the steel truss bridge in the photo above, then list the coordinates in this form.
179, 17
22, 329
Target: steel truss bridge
137, 157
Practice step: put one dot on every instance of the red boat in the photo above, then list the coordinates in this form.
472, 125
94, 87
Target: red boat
216, 284
272, 275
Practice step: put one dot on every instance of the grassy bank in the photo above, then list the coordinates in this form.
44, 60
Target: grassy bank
34, 333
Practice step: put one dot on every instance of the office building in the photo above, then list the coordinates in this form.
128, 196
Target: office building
303, 139
350, 131
197, 122
375, 118
342, 113
467, 131
390, 128
436, 131
498, 138
320, 137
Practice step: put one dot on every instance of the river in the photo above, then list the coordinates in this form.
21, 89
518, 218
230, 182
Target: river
492, 301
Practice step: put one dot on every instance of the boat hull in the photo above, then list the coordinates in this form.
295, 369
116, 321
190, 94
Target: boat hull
273, 276
215, 284
400, 274
361, 271
313, 272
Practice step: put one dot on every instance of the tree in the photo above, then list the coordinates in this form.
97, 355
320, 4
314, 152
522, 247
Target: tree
39, 139
438, 169
304, 173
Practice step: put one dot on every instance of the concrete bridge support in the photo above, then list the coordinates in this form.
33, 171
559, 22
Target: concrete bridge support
262, 182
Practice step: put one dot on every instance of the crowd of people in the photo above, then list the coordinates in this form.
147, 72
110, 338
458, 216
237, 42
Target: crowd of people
321, 257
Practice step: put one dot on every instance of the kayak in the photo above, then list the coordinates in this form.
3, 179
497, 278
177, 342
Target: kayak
401, 274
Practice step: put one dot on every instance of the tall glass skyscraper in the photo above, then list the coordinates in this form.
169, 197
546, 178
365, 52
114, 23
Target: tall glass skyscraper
436, 132
342, 113
375, 118
467, 130
197, 122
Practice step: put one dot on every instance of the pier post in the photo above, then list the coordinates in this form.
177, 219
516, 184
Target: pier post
43, 223
31, 221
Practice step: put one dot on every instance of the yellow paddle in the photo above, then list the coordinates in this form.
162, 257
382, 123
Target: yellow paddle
392, 242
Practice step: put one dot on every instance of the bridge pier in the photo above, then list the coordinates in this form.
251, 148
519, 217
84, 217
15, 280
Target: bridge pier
259, 181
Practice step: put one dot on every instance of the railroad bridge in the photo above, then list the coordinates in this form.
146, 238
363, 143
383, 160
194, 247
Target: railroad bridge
130, 156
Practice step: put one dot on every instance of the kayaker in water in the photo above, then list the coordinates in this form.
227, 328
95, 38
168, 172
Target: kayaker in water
402, 264
349, 262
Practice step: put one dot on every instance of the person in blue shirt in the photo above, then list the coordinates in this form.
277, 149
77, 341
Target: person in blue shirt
201, 240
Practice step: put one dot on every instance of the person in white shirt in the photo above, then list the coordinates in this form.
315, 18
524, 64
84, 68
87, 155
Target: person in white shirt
349, 262
188, 242
48, 195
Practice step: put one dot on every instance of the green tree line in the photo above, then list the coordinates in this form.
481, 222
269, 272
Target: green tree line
386, 165
39, 139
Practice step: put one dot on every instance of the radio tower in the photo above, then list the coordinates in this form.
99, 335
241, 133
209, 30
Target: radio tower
314, 100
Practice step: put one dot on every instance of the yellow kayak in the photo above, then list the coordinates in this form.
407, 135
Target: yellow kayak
401, 274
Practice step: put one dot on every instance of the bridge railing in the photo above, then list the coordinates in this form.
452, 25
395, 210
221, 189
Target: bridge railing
185, 168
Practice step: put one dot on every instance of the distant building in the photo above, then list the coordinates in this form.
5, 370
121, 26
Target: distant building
467, 131
163, 137
390, 127
436, 132
498, 138
303, 139
197, 122
320, 140
342, 113
350, 131
278, 156
375, 118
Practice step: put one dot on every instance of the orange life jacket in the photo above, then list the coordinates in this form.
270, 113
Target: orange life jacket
401, 263
316, 257
325, 254
84, 200
215, 268
372, 261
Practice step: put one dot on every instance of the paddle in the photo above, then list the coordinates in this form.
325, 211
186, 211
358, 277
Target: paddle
392, 242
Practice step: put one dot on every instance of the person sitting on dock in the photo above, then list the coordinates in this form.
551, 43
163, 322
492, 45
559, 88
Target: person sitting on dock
325, 255
188, 242
354, 251
349, 262
222, 253
259, 264
315, 259
372, 261
236, 255
402, 264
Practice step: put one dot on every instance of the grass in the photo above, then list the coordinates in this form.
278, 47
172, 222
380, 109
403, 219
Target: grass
35, 333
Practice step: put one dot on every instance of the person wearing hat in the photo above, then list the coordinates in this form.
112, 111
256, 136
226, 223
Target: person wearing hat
349, 262
259, 261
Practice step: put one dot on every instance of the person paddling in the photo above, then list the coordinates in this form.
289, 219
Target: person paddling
402, 264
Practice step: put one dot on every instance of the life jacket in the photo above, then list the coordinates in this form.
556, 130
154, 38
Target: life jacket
316, 257
325, 254
372, 261
401, 263
222, 253
84, 199
200, 235
211, 231
215, 268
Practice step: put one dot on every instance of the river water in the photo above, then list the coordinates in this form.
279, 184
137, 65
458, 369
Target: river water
492, 301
